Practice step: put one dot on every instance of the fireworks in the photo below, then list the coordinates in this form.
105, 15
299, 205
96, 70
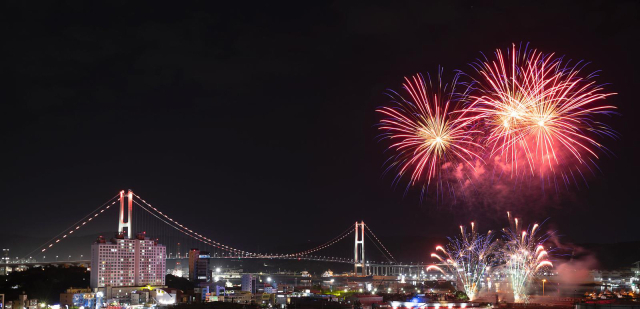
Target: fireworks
531, 113
469, 257
474, 258
426, 136
523, 254
538, 109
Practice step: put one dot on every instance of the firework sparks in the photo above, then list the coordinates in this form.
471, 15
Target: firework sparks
469, 257
427, 137
539, 110
524, 255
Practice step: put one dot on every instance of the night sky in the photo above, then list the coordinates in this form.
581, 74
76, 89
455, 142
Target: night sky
255, 123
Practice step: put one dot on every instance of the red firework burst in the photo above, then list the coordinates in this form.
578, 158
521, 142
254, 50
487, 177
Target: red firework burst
427, 135
537, 109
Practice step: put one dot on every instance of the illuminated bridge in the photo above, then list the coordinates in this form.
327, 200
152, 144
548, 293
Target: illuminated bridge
134, 210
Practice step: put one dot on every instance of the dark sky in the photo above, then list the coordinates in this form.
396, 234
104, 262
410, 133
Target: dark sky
244, 118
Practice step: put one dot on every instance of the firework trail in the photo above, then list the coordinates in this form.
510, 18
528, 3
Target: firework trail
469, 256
524, 255
426, 136
539, 110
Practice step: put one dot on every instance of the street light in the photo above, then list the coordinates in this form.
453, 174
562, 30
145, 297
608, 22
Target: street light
543, 281
56, 258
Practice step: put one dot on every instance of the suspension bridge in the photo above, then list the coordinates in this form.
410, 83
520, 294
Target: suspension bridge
178, 238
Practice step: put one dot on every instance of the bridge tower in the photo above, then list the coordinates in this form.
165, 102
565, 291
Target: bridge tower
358, 259
122, 224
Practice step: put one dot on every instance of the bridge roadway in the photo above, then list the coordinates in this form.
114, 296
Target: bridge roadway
42, 263
372, 269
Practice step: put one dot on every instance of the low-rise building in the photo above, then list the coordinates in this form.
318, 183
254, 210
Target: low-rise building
240, 297
367, 301
265, 299
78, 298
135, 295
23, 302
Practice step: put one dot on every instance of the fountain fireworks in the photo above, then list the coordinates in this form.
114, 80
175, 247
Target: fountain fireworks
469, 257
523, 254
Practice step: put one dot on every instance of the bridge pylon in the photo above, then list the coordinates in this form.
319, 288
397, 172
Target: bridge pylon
122, 224
358, 259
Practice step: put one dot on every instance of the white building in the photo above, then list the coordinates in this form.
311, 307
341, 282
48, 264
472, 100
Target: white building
127, 262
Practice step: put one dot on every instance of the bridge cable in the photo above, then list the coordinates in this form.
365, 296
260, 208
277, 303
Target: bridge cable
77, 224
377, 247
170, 225
229, 249
216, 244
176, 228
203, 239
340, 236
385, 248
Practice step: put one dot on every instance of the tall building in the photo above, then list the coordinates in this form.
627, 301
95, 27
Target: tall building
178, 271
248, 283
127, 262
5, 260
199, 265
78, 298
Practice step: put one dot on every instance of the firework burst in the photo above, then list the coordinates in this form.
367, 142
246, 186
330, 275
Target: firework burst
427, 136
539, 110
524, 255
469, 257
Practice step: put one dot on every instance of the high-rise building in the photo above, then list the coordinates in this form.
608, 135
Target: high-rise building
127, 262
178, 271
248, 283
5, 260
199, 265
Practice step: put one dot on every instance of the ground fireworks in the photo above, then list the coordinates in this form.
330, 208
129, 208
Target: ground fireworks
539, 112
427, 137
524, 255
469, 256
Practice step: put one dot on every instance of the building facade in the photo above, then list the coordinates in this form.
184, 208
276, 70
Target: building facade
248, 283
127, 262
199, 265
78, 298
